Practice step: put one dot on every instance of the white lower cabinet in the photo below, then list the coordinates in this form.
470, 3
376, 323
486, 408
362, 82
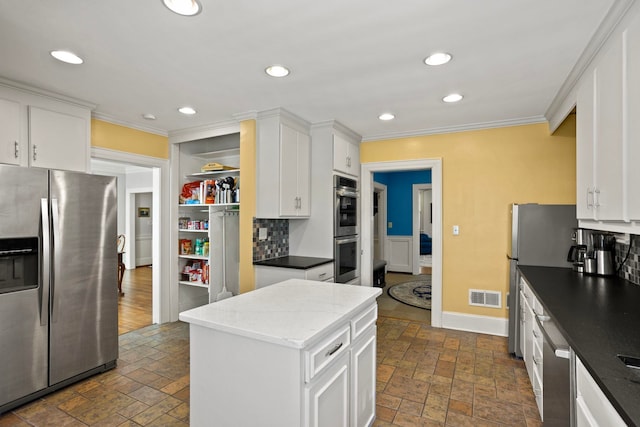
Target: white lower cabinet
269, 275
327, 397
592, 406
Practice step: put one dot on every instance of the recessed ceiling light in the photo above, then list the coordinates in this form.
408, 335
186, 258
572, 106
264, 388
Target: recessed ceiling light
438, 58
187, 110
66, 56
148, 116
277, 71
183, 7
454, 97
386, 116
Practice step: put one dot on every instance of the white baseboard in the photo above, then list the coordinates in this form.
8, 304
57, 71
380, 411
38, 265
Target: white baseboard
475, 323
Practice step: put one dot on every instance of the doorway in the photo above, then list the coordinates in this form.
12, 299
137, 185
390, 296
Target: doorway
146, 175
367, 230
379, 220
422, 203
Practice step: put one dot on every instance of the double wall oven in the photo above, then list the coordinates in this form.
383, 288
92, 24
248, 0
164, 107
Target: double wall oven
345, 234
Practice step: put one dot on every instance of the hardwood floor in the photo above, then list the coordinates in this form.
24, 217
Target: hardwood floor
134, 308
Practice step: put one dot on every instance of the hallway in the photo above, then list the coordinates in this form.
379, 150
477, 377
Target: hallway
134, 308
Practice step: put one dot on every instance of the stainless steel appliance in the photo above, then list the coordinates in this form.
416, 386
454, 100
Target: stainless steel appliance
541, 236
58, 280
345, 258
557, 393
345, 206
345, 237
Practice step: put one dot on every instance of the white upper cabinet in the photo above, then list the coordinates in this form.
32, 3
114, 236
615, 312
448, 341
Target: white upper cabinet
39, 130
283, 158
631, 132
346, 156
295, 164
57, 140
9, 132
608, 133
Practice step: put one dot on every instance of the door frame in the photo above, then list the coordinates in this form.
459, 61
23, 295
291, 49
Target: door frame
381, 189
366, 219
161, 283
416, 223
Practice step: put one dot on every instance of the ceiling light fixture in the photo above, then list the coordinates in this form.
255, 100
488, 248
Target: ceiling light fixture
454, 97
386, 117
148, 116
277, 71
67, 56
437, 58
187, 111
183, 7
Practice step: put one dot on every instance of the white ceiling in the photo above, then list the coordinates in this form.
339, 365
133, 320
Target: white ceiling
349, 60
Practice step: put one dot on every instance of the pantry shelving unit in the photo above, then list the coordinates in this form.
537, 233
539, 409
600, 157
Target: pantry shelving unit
222, 261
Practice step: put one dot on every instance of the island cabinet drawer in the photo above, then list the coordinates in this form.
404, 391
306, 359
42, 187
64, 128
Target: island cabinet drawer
320, 355
320, 273
363, 320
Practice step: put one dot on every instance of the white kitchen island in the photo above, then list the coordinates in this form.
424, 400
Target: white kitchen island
296, 353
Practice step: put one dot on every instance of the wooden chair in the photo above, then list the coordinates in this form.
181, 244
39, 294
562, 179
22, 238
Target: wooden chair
121, 268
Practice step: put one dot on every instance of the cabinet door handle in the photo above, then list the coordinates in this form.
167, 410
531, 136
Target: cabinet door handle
35, 152
322, 275
348, 161
589, 203
334, 349
596, 197
17, 149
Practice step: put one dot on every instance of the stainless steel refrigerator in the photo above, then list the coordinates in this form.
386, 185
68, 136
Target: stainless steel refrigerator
541, 235
58, 280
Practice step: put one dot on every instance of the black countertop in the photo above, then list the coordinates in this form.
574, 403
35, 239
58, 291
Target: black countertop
297, 262
600, 318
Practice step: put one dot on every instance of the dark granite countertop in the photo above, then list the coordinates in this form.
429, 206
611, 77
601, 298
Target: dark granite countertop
600, 318
297, 262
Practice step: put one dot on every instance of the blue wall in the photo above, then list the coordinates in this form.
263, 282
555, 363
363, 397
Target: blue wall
399, 198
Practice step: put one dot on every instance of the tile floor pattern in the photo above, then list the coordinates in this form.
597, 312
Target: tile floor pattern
426, 377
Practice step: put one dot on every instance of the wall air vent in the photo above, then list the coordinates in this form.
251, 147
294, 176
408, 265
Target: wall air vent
481, 298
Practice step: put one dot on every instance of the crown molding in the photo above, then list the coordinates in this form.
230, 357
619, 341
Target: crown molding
337, 126
110, 119
454, 129
12, 84
247, 115
557, 110
206, 131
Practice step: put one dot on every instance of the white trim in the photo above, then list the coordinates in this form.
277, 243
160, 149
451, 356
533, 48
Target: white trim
162, 299
366, 238
415, 191
458, 128
201, 132
381, 189
46, 93
475, 323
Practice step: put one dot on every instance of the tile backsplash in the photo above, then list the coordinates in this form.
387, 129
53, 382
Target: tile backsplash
277, 241
631, 268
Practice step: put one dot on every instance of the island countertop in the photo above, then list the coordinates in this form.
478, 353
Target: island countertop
290, 313
599, 317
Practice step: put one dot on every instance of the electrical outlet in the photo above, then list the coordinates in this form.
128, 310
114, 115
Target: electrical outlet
456, 230
389, 224
262, 233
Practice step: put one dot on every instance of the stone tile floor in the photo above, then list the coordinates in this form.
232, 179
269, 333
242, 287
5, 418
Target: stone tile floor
426, 377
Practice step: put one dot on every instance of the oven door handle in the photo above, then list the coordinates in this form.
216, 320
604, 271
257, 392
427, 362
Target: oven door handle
340, 240
346, 193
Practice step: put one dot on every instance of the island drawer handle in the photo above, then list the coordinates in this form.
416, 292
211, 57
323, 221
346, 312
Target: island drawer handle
334, 349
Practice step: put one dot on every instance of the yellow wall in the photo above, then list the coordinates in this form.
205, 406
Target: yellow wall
483, 172
248, 201
120, 138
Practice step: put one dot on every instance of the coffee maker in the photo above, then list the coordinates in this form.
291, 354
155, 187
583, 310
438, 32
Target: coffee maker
593, 252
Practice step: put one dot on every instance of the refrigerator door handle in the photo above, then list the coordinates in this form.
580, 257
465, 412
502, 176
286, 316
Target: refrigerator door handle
56, 257
46, 246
